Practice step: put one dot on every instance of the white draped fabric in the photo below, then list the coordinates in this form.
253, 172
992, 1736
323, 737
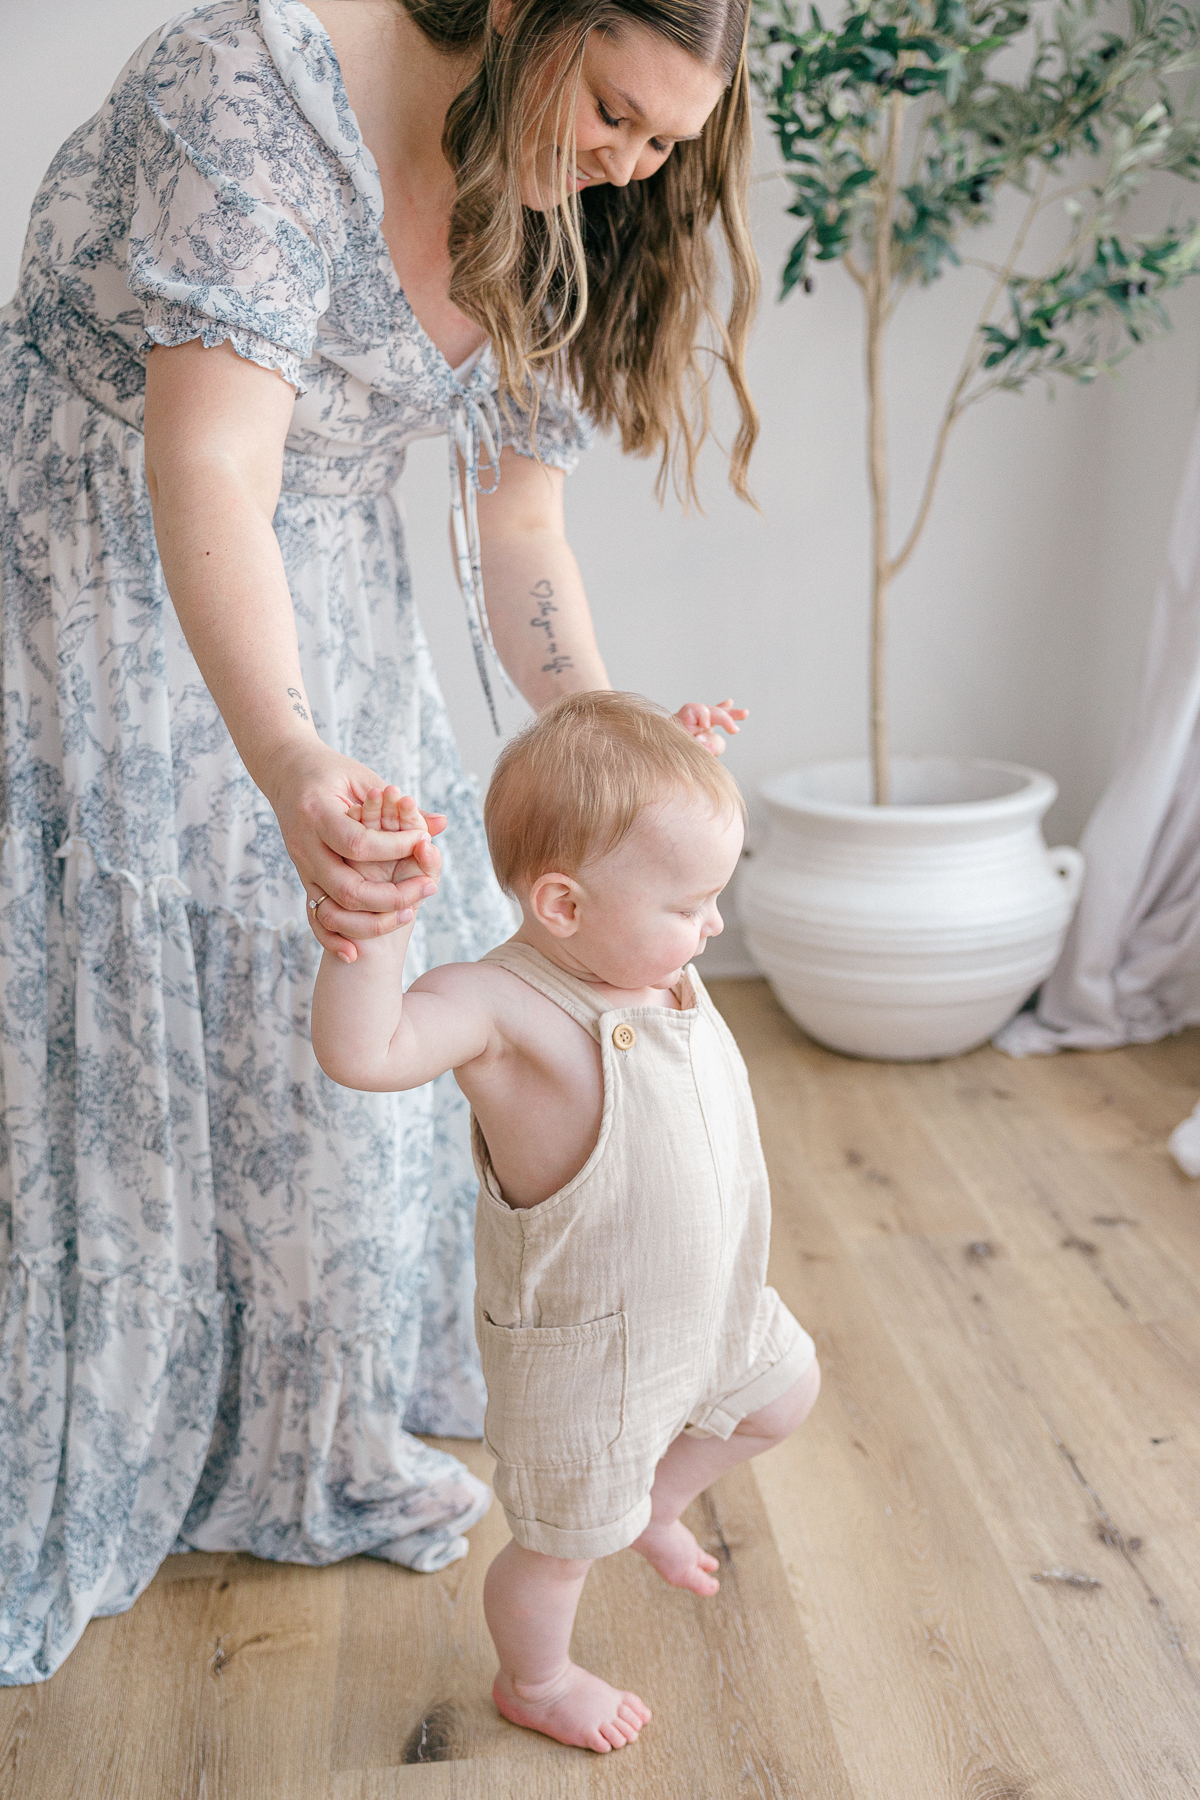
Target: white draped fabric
1130, 969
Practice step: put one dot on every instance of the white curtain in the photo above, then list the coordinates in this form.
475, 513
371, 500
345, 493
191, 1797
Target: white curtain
1130, 969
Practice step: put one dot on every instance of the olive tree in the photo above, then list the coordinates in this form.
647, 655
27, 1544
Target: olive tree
901, 123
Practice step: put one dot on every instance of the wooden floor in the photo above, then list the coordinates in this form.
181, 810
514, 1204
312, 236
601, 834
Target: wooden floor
975, 1575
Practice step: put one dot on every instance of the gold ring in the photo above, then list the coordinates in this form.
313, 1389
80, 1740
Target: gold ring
313, 904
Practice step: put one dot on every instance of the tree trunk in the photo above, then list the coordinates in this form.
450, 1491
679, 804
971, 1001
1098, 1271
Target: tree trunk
881, 573
878, 297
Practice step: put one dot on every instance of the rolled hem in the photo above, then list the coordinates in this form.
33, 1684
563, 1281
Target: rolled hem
723, 1419
598, 1540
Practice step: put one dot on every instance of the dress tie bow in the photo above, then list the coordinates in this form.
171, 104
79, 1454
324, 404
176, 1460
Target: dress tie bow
474, 426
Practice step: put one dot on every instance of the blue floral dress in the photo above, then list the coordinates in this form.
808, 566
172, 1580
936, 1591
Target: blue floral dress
232, 1289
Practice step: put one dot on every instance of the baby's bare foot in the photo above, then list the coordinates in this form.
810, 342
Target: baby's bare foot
578, 1708
674, 1552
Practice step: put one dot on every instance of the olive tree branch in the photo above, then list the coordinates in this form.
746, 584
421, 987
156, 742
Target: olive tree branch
956, 405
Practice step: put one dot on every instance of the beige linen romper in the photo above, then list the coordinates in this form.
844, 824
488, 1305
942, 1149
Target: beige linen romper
631, 1305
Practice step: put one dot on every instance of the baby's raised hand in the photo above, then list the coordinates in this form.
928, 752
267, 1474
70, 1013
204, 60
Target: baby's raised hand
703, 722
388, 809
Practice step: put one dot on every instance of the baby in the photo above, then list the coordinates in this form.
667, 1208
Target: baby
631, 1348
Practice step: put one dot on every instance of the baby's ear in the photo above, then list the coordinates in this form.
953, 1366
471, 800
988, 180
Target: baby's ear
553, 901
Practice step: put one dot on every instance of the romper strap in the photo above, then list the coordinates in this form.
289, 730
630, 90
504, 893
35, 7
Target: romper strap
575, 997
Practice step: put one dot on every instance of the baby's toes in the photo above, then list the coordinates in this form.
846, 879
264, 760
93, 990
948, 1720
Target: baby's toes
708, 1562
617, 1734
636, 1710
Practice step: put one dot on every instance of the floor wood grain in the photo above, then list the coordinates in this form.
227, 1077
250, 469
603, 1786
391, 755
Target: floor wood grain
975, 1575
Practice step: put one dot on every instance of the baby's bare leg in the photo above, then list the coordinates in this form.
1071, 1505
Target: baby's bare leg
530, 1603
692, 1464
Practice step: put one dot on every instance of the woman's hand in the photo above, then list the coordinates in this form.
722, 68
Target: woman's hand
702, 721
318, 796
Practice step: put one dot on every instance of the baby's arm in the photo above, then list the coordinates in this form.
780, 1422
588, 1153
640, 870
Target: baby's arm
366, 1032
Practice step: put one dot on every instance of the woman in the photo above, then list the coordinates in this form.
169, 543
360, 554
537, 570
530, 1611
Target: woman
290, 242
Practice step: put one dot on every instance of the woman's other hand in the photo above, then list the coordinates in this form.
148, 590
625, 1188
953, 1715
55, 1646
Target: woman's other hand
705, 722
319, 796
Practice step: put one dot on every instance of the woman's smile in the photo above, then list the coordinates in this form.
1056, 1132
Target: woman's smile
639, 96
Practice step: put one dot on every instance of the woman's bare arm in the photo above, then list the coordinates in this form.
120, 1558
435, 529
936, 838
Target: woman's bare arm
215, 429
539, 613
541, 622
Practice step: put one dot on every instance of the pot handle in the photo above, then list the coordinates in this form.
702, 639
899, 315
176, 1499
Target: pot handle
1069, 866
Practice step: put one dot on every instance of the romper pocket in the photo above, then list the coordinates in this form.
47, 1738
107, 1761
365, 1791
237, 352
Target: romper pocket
556, 1393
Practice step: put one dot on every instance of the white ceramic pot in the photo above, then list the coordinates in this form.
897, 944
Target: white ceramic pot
913, 930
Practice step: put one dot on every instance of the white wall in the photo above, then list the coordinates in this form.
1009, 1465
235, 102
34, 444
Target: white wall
1018, 626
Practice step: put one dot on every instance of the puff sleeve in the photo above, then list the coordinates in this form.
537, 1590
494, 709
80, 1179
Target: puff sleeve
563, 431
236, 212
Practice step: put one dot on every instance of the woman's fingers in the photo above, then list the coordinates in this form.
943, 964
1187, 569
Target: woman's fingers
357, 843
326, 873
338, 823
323, 918
355, 923
353, 893
428, 858
339, 928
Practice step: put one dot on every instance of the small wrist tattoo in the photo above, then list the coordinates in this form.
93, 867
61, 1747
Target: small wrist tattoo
297, 700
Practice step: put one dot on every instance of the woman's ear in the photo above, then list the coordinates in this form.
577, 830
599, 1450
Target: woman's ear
553, 901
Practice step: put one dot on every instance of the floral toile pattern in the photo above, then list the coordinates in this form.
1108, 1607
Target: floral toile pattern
233, 1290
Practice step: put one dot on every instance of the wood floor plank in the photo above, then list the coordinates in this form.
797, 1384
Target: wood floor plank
496, 1778
1098, 1098
1042, 1197
218, 1686
1026, 1440
58, 1741
415, 1663
1159, 1194
1117, 1109
1143, 1091
876, 1164
729, 1680
944, 1685
1147, 1382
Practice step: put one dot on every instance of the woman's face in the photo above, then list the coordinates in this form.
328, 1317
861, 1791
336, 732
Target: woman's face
639, 96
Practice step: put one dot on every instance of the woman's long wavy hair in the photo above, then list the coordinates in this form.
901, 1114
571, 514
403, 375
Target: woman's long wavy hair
614, 289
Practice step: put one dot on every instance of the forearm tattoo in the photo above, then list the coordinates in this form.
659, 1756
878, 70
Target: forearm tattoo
557, 661
297, 700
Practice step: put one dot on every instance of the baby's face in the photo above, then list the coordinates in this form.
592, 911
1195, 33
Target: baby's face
649, 906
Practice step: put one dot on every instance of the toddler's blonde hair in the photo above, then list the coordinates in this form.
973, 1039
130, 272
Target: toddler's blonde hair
572, 784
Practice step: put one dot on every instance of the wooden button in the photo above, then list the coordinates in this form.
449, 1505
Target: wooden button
624, 1037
